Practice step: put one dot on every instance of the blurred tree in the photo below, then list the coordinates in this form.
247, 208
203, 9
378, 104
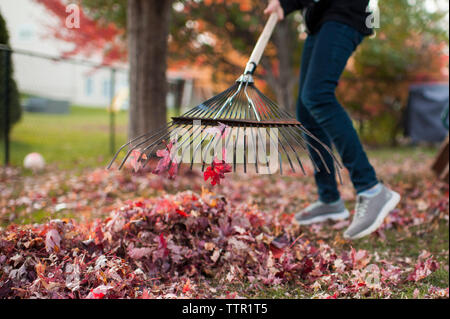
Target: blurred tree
15, 110
103, 28
223, 34
148, 30
97, 33
410, 46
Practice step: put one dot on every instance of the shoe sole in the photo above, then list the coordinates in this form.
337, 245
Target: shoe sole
336, 216
388, 207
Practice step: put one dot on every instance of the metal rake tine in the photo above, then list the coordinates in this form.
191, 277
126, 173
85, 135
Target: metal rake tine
228, 102
256, 150
157, 142
235, 149
191, 142
137, 146
207, 150
319, 154
245, 149
323, 145
150, 148
273, 106
260, 103
292, 148
170, 124
199, 145
301, 141
245, 142
298, 141
287, 154
280, 159
264, 148
217, 101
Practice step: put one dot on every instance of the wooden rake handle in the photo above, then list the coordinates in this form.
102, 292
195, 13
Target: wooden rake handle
260, 46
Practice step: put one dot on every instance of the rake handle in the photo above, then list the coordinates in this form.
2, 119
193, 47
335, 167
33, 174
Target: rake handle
260, 46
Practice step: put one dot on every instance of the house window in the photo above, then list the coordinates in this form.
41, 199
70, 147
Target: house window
89, 86
106, 88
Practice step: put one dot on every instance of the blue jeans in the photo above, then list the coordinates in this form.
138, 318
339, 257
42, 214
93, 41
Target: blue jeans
325, 56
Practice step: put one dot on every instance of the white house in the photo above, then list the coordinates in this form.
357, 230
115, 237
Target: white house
28, 24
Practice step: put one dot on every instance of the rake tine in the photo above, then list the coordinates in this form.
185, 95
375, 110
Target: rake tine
235, 149
170, 124
207, 150
320, 156
191, 141
153, 145
323, 145
217, 102
280, 159
264, 148
287, 154
256, 150
245, 142
199, 145
293, 150
300, 140
259, 133
302, 128
136, 146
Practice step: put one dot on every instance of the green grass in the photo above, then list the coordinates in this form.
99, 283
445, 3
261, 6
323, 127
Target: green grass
76, 140
71, 141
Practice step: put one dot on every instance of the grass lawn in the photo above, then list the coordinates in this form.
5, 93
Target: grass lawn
79, 139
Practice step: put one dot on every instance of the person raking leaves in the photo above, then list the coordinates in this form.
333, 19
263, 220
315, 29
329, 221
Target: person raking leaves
335, 29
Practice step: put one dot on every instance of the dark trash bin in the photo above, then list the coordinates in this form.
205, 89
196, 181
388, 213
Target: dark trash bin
423, 116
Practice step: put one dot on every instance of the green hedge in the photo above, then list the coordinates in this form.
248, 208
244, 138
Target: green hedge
14, 105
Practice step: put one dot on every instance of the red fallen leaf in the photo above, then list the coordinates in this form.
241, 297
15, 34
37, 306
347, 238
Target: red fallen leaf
181, 213
163, 243
99, 295
167, 163
139, 204
138, 253
187, 286
134, 157
145, 295
276, 252
98, 234
52, 241
217, 171
423, 269
308, 266
99, 292
333, 296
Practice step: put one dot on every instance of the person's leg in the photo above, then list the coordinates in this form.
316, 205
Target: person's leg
334, 45
326, 182
329, 205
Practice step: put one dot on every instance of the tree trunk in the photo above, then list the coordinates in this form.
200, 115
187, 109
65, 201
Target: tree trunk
148, 30
284, 82
285, 90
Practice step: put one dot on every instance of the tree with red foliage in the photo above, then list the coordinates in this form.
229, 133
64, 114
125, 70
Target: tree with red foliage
93, 36
145, 45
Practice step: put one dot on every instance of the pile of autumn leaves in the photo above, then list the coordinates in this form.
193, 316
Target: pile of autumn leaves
185, 245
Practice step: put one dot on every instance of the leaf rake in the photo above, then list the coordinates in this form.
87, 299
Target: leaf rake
241, 121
